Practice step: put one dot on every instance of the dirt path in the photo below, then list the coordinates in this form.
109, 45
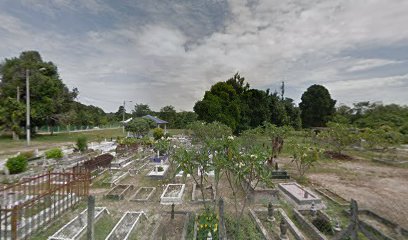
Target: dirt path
380, 188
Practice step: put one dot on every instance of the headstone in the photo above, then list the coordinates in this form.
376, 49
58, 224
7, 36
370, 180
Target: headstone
270, 213
306, 194
276, 166
283, 230
172, 211
313, 209
337, 227
209, 236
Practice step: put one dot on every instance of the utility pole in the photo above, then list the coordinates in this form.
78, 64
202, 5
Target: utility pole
28, 107
123, 117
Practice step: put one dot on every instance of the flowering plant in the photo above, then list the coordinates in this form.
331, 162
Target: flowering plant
207, 222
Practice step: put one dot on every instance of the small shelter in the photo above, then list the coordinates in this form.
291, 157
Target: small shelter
158, 122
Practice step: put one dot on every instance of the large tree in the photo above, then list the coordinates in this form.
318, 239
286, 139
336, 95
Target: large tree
168, 113
220, 104
49, 96
141, 110
139, 127
317, 106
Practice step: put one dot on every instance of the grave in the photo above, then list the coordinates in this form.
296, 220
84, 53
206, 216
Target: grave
74, 229
272, 229
181, 173
316, 223
209, 194
173, 193
119, 192
172, 227
332, 196
115, 178
122, 162
159, 171
143, 194
280, 174
300, 197
125, 226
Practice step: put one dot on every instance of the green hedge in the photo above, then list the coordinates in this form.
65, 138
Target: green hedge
54, 153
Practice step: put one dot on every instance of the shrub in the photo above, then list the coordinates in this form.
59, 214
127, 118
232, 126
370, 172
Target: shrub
82, 144
158, 133
17, 164
54, 153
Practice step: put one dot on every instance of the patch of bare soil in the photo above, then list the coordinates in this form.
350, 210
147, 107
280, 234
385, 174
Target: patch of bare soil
172, 228
336, 155
381, 189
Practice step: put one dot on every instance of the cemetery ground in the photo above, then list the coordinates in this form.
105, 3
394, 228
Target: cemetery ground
41, 142
377, 186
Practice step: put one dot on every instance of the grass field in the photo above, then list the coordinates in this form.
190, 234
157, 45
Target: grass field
8, 146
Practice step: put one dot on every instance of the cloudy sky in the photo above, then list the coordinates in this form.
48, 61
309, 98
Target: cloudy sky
163, 52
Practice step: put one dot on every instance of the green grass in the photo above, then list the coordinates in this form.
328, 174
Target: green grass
58, 222
46, 141
8, 146
247, 230
103, 227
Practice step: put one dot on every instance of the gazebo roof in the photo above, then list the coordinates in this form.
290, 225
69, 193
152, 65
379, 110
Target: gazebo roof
155, 119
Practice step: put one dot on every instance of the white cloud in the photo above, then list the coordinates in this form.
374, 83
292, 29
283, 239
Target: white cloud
366, 64
268, 41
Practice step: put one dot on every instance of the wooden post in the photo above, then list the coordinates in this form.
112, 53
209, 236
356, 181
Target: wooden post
14, 218
91, 215
221, 229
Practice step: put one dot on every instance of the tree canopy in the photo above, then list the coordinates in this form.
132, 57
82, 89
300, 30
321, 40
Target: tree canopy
49, 96
236, 105
317, 106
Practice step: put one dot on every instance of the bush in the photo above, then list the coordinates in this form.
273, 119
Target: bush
54, 153
82, 144
17, 164
158, 133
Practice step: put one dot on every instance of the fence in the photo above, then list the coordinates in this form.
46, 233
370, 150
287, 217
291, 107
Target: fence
73, 128
34, 202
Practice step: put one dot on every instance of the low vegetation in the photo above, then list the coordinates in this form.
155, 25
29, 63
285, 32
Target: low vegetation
17, 164
55, 153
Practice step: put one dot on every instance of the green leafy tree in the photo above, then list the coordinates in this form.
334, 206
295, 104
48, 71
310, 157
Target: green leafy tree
317, 106
276, 135
138, 127
220, 104
339, 136
184, 118
49, 96
304, 157
11, 116
169, 114
202, 131
141, 110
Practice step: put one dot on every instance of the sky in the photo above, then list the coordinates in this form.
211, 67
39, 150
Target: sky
169, 52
